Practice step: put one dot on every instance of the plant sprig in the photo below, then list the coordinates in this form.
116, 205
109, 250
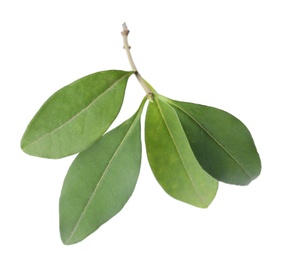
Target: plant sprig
190, 148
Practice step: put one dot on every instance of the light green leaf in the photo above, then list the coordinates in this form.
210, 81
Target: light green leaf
221, 143
100, 181
76, 116
172, 160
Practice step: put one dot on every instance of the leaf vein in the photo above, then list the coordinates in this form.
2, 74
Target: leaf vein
214, 139
178, 151
100, 181
76, 115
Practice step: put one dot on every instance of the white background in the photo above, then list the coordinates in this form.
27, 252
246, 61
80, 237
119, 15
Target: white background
233, 55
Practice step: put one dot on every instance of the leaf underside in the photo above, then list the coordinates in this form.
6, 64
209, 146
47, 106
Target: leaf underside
75, 116
100, 181
221, 143
172, 160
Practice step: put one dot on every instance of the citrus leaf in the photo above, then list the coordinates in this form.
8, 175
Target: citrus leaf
172, 160
76, 116
100, 181
221, 143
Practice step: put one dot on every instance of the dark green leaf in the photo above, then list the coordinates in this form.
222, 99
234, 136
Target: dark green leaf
76, 116
100, 181
172, 160
221, 143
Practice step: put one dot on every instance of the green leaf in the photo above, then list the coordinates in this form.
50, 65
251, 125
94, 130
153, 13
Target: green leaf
76, 116
172, 160
100, 181
221, 143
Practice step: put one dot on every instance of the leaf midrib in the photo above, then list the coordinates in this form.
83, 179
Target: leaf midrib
100, 181
76, 115
214, 139
185, 167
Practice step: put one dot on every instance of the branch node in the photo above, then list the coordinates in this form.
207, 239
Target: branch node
125, 31
150, 97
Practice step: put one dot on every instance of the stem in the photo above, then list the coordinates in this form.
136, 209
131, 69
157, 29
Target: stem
125, 33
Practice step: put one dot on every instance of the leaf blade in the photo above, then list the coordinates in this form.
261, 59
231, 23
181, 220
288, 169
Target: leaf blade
222, 143
171, 159
76, 115
100, 181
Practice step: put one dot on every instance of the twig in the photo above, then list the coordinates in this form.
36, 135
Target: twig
125, 33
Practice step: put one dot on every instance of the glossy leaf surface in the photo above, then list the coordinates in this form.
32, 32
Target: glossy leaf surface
100, 181
222, 144
76, 116
172, 160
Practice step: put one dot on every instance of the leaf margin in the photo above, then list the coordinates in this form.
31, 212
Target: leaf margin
236, 181
214, 182
48, 151
135, 121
